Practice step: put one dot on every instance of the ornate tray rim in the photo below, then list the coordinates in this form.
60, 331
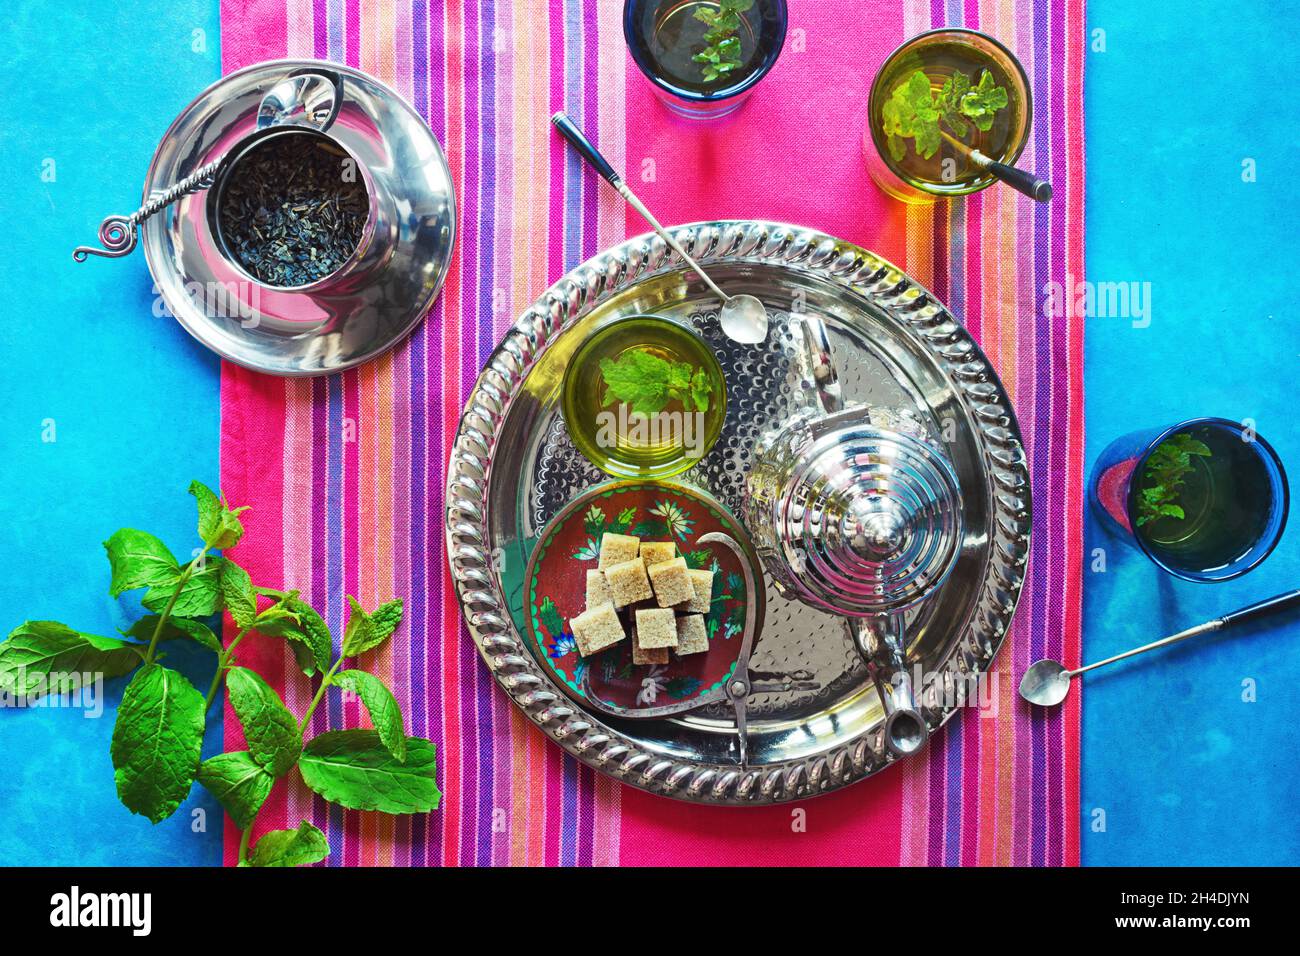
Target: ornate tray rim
483, 604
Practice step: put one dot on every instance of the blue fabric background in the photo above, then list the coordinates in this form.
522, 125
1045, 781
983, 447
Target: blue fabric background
1183, 770
92, 86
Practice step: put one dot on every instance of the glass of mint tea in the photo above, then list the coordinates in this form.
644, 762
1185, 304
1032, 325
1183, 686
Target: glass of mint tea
703, 57
1205, 499
644, 397
937, 97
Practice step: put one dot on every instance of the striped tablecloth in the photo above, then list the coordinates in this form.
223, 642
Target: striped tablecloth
345, 474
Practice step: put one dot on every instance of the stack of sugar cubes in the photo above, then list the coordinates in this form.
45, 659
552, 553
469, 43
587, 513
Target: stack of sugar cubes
665, 601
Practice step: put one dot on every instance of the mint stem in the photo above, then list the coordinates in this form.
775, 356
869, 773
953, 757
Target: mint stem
223, 662
167, 611
244, 838
320, 693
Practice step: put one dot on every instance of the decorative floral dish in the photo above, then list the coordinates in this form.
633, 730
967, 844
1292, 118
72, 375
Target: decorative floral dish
555, 585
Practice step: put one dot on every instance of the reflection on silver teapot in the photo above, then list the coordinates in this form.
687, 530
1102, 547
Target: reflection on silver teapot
856, 510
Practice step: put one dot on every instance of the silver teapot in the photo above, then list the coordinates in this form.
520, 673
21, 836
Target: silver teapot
856, 510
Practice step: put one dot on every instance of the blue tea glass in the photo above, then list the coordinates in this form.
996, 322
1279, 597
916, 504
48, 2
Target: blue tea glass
664, 36
1205, 499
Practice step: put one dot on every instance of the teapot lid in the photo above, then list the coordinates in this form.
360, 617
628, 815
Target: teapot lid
869, 518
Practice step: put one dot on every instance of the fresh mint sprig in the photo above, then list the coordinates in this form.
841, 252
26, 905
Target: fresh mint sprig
915, 111
722, 53
1164, 476
160, 722
647, 382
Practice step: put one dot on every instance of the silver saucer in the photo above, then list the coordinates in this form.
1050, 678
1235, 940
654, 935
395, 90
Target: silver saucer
366, 308
513, 468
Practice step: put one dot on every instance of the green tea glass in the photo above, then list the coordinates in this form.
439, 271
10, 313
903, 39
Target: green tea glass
644, 397
1205, 499
949, 171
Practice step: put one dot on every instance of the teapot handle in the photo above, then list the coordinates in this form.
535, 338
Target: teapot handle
817, 363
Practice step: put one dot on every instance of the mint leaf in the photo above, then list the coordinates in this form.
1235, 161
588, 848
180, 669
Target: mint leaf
359, 634
647, 383
138, 560
981, 103
637, 378
381, 705
722, 55
296, 621
365, 631
701, 388
237, 591
914, 111
270, 730
354, 769
156, 741
200, 596
36, 649
386, 618
300, 847
176, 627
1165, 473
219, 526
240, 785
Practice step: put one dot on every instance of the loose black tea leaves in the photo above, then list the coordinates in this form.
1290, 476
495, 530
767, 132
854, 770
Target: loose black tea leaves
293, 209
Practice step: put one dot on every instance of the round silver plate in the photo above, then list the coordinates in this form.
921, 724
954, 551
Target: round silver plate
331, 325
513, 468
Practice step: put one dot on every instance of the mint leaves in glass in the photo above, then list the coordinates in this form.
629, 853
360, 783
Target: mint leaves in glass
1205, 499
158, 733
644, 397
702, 57
937, 97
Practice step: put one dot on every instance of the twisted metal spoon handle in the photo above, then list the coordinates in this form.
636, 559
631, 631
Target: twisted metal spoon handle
118, 234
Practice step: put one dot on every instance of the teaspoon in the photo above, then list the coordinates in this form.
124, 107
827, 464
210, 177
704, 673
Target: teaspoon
1047, 683
743, 317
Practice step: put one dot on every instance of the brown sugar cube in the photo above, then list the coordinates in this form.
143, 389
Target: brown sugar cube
671, 583
643, 655
656, 628
692, 635
657, 552
598, 589
702, 582
616, 549
628, 582
596, 629
658, 655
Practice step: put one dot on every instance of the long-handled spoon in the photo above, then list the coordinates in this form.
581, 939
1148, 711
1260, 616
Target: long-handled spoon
743, 317
306, 96
1017, 179
1046, 683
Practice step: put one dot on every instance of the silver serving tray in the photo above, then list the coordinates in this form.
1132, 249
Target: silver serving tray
513, 468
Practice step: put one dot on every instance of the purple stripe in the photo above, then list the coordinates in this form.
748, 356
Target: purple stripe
1040, 425
485, 692
319, 38
937, 788
586, 835
1060, 428
422, 690
422, 693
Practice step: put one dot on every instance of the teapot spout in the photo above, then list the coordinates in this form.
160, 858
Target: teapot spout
880, 641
